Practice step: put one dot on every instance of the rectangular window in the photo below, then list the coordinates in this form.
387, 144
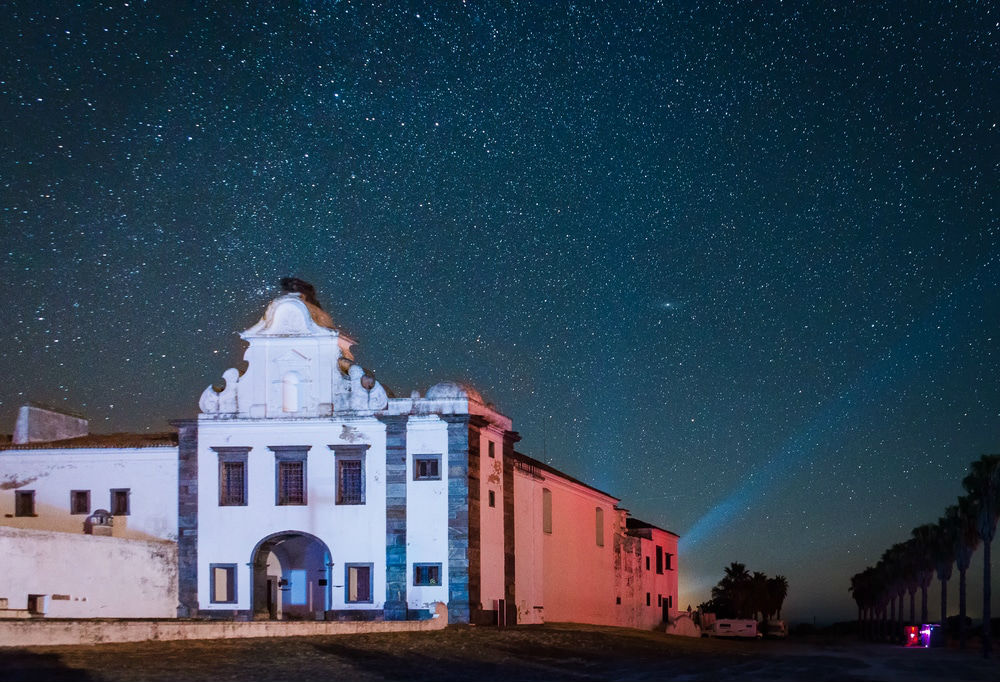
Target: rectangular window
493, 499
427, 467
36, 604
232, 484
24, 503
350, 472
667, 563
546, 511
647, 563
492, 448
223, 588
232, 476
291, 482
648, 601
659, 559
120, 501
426, 575
79, 501
349, 482
290, 473
359, 583
599, 526
659, 600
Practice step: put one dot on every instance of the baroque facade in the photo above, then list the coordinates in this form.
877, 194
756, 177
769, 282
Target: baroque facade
305, 490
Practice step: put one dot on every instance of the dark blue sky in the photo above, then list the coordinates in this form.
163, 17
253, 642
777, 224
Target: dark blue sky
737, 265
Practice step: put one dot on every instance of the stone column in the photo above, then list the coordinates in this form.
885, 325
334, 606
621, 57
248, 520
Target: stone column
464, 580
395, 516
510, 594
187, 517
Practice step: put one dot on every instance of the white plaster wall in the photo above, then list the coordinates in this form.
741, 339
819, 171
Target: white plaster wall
528, 559
491, 518
426, 510
353, 533
149, 473
88, 576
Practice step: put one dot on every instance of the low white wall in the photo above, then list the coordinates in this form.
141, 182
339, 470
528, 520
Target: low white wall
51, 633
88, 576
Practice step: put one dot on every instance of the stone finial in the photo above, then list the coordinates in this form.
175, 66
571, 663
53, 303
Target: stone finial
294, 285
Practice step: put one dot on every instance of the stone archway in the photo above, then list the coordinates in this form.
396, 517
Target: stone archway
291, 577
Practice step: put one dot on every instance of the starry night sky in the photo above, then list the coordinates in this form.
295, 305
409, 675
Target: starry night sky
736, 265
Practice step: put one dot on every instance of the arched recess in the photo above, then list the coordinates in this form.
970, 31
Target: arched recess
291, 577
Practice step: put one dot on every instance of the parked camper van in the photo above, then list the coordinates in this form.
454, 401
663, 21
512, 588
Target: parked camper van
733, 627
775, 629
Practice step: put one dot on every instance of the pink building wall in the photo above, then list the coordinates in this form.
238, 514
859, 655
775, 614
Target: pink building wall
568, 574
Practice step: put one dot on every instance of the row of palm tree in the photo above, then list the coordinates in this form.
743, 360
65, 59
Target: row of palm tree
741, 594
934, 549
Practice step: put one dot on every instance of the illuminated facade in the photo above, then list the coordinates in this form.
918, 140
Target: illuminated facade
304, 490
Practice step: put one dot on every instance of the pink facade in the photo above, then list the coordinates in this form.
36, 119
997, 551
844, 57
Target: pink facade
581, 558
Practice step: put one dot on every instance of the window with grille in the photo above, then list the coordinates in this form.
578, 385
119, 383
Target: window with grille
349, 488
79, 502
350, 471
232, 484
291, 482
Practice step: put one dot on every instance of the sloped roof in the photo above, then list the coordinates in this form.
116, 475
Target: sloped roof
635, 524
542, 466
100, 440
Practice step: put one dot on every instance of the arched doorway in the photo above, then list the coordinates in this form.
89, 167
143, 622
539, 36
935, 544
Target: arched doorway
291, 577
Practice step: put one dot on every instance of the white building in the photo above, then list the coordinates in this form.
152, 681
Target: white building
303, 490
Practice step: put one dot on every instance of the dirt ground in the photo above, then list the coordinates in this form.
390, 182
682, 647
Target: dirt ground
550, 652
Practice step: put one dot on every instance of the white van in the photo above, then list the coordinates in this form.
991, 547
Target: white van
734, 627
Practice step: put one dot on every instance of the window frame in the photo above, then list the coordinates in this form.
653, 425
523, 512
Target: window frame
491, 449
546, 511
18, 505
285, 454
417, 459
230, 583
347, 582
427, 566
599, 526
350, 453
73, 509
492, 498
128, 501
233, 455
659, 560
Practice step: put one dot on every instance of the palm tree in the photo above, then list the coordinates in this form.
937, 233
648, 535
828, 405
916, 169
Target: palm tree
943, 553
923, 557
758, 595
963, 515
862, 590
732, 594
777, 590
983, 485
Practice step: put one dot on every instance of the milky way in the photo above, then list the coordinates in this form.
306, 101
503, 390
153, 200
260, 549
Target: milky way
736, 265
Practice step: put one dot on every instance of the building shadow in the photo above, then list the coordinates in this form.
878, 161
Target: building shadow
21, 665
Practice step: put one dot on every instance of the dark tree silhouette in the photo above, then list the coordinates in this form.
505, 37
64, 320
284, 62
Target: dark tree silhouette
983, 486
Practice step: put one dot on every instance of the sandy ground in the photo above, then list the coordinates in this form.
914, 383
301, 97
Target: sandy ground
550, 652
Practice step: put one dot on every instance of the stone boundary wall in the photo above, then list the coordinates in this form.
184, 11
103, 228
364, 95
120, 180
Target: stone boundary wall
73, 575
48, 632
